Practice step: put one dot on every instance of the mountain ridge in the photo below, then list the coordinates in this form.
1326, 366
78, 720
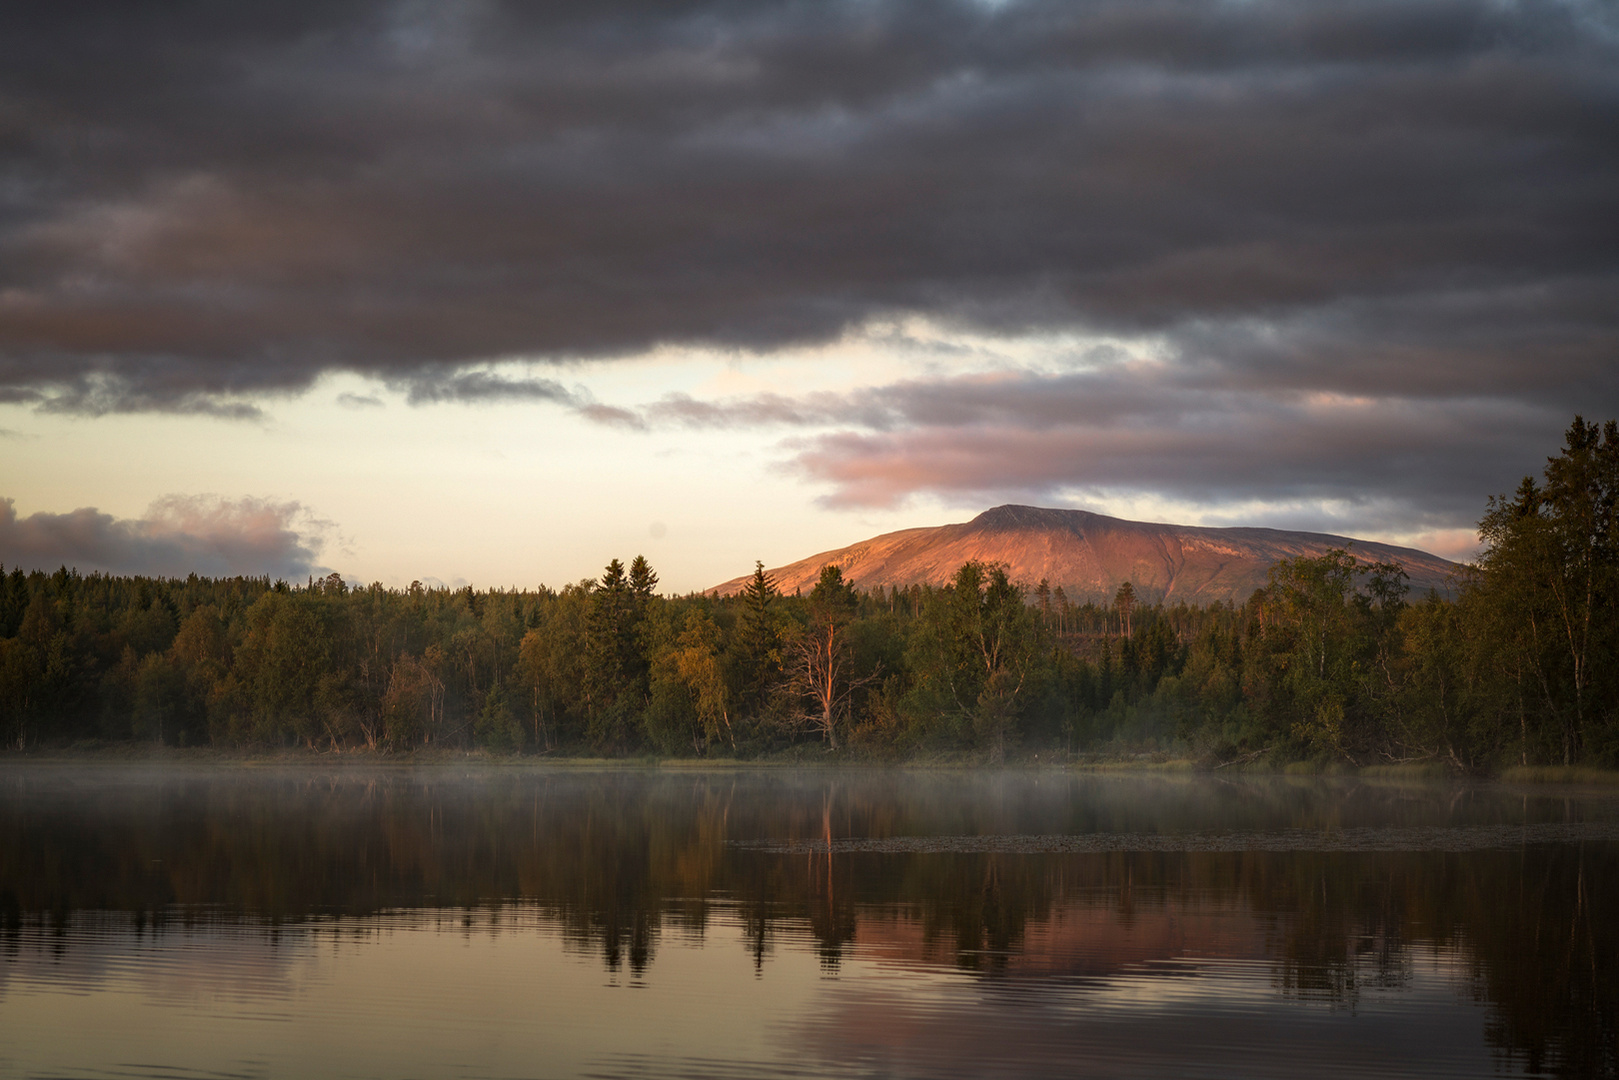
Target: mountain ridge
1091, 554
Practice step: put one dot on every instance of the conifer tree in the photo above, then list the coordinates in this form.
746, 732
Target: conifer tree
1551, 586
615, 672
643, 580
758, 639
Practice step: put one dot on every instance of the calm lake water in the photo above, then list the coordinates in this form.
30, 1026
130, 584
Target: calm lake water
243, 922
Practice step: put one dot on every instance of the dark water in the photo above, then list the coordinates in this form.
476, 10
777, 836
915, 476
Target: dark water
509, 923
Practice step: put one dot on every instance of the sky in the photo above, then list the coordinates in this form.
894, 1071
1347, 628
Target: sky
472, 292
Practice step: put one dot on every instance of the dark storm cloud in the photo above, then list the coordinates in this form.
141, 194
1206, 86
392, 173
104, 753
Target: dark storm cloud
178, 535
1412, 202
204, 198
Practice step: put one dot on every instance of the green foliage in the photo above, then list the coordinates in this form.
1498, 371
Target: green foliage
497, 726
975, 652
1548, 589
615, 667
1328, 662
819, 661
757, 651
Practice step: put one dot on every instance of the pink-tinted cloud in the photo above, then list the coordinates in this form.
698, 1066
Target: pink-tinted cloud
178, 535
1395, 467
1409, 459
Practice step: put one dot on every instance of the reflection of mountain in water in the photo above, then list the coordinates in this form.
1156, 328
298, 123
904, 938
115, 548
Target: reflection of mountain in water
618, 859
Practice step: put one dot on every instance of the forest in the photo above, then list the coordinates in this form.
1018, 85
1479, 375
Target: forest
1332, 661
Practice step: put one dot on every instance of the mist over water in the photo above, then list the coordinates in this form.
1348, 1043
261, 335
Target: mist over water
515, 922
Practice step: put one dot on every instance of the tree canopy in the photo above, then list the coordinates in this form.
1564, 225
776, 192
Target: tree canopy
1332, 659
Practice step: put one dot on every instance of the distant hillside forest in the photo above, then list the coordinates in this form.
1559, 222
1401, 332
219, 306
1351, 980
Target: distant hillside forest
1332, 660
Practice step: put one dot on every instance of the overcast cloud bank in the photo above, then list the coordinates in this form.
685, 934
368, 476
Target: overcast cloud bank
1370, 249
205, 199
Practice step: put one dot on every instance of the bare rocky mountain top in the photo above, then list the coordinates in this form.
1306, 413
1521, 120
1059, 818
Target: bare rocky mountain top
1090, 555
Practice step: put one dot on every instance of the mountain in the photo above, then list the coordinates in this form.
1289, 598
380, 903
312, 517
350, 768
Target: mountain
1090, 555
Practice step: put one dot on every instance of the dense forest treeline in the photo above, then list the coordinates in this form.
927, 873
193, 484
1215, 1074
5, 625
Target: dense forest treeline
1332, 660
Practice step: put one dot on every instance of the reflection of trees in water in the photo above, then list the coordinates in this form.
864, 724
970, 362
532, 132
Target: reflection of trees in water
1347, 928
1548, 958
617, 859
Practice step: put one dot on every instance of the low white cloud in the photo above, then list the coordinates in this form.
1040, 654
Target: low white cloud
178, 535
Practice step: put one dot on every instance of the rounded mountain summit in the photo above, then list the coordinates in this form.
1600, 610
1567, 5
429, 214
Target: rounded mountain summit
1091, 555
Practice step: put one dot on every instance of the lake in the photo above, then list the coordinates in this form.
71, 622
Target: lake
450, 921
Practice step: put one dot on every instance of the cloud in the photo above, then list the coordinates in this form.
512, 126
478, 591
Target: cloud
103, 393
179, 535
758, 411
204, 203
359, 401
1362, 256
1401, 460
479, 387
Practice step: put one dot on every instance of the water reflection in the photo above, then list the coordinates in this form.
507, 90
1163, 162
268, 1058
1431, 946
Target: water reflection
245, 888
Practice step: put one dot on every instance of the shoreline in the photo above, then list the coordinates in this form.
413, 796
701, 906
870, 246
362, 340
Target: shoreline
807, 758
